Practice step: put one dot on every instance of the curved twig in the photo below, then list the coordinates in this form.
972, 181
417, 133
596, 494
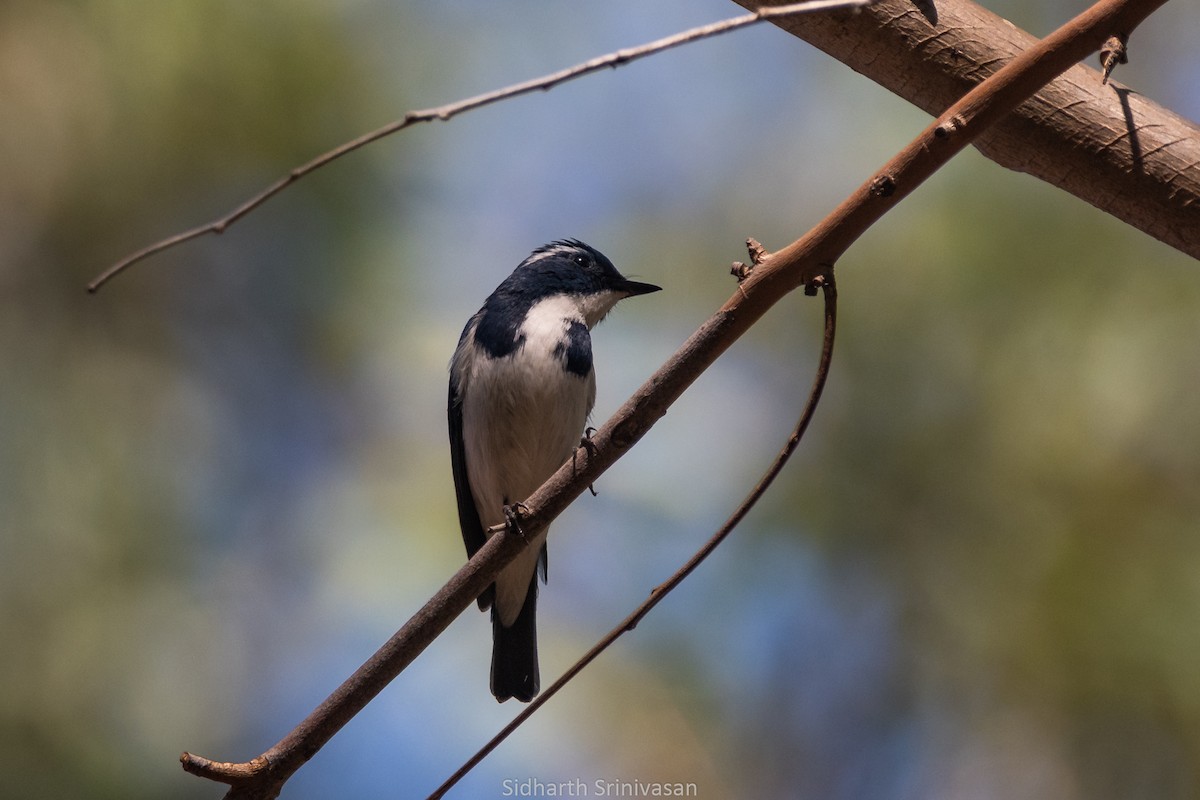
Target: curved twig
443, 113
824, 282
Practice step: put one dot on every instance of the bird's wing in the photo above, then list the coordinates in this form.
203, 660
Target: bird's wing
468, 516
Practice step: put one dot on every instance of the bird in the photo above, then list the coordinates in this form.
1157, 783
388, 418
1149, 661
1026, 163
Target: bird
522, 386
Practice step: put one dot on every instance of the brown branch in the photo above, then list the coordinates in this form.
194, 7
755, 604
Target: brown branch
825, 283
446, 112
264, 776
775, 275
1107, 145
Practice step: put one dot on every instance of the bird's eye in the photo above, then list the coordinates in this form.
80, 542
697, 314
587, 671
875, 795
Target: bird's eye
581, 259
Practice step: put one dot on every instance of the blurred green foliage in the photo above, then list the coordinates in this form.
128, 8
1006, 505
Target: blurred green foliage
223, 479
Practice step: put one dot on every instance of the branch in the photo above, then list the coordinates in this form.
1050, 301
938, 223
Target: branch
1107, 145
772, 276
444, 113
663, 589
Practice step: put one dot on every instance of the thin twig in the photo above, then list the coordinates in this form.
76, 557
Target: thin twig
662, 590
443, 113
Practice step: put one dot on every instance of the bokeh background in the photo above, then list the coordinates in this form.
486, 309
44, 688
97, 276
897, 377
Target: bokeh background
224, 479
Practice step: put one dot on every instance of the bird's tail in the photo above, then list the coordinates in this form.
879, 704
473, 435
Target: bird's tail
514, 652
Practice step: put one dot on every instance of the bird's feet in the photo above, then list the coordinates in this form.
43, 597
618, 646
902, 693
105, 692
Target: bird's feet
512, 518
587, 444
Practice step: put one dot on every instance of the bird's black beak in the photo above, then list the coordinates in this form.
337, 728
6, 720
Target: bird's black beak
631, 288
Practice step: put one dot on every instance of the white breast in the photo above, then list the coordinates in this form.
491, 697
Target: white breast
522, 418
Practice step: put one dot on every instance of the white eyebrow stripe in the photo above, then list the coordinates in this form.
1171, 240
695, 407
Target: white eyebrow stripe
556, 250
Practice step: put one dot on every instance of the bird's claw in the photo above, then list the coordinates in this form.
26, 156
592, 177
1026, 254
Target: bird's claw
587, 444
512, 518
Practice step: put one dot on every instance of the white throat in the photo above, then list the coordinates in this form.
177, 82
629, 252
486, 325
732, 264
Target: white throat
593, 307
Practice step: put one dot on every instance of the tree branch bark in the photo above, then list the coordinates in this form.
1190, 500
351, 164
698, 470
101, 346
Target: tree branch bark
1105, 144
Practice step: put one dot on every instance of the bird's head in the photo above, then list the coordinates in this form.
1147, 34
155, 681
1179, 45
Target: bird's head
577, 270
